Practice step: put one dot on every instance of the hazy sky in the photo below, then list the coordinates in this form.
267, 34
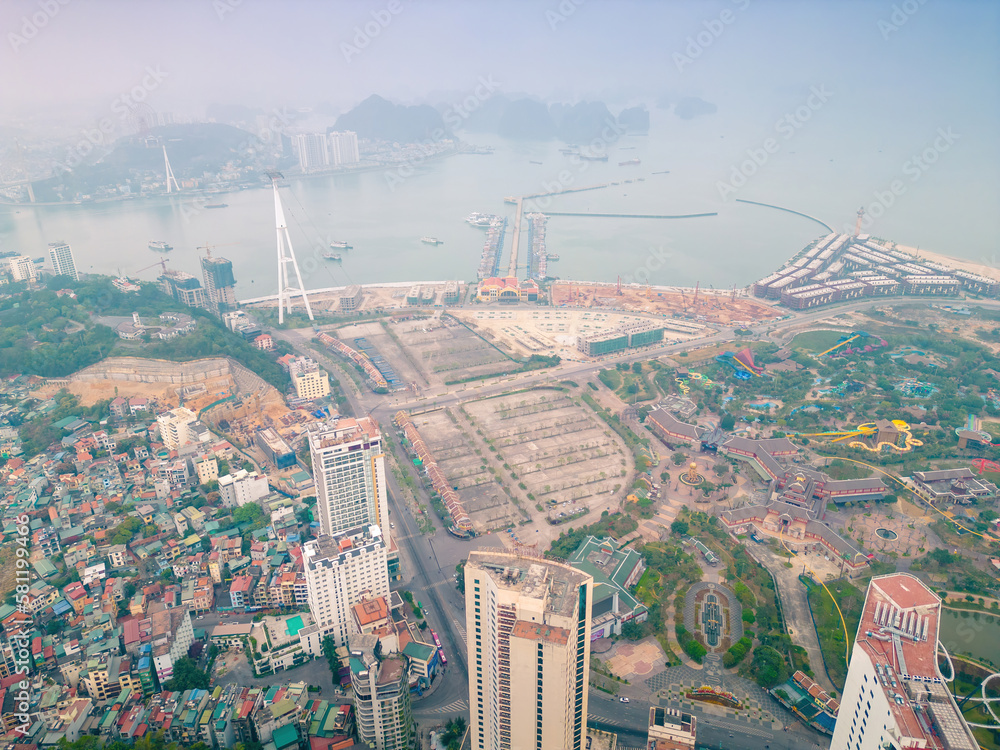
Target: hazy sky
76, 56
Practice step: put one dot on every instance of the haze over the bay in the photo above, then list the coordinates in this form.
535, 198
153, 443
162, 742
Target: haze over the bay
894, 77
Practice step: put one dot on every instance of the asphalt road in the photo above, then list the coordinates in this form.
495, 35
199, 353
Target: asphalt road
433, 585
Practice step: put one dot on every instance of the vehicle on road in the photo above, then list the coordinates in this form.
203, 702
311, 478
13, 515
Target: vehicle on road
623, 699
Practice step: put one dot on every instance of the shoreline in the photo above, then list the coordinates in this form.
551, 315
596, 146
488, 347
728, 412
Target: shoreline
956, 263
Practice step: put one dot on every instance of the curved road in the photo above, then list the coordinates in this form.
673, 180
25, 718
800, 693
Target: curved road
449, 696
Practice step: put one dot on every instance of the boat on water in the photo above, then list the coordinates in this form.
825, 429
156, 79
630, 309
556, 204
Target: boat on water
532, 161
431, 240
552, 256
510, 199
217, 205
162, 247
340, 245
331, 256
665, 171
628, 163
590, 157
482, 220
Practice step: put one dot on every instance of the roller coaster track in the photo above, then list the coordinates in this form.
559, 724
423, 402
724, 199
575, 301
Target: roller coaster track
868, 429
838, 345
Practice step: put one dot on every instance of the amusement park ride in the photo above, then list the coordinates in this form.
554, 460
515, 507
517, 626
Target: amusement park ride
876, 435
847, 339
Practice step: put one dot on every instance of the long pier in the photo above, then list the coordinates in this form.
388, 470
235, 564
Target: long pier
516, 239
631, 216
564, 191
789, 210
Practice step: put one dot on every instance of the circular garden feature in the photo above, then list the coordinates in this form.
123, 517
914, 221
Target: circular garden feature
887, 534
713, 614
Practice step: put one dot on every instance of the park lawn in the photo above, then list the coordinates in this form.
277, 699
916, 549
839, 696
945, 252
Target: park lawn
830, 629
611, 378
644, 393
838, 469
816, 341
647, 590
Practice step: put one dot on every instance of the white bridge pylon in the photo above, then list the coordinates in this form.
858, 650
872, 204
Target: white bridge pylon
286, 257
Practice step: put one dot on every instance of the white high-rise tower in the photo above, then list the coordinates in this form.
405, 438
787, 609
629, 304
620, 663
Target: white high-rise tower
63, 262
896, 694
348, 461
286, 256
528, 621
171, 180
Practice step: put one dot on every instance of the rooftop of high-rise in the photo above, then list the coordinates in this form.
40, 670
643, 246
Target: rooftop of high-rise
533, 577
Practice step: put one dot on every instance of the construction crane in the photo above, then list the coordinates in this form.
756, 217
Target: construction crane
857, 226
732, 297
697, 286
162, 262
619, 286
209, 248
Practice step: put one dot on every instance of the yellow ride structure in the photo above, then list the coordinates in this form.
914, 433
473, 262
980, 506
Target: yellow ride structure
868, 431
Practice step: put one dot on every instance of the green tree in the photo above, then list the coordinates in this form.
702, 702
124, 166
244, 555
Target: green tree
186, 676
329, 648
767, 667
632, 631
680, 527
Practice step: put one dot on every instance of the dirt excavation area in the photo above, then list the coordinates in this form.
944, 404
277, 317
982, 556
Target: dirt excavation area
711, 305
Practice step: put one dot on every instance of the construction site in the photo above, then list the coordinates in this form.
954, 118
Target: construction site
430, 352
527, 331
723, 307
227, 396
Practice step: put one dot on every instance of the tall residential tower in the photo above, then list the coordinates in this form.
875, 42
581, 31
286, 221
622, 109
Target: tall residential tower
348, 462
528, 621
340, 571
220, 284
63, 262
895, 695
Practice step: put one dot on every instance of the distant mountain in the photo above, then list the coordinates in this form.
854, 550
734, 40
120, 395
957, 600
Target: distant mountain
519, 118
580, 122
526, 118
379, 119
231, 113
193, 150
691, 107
635, 119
